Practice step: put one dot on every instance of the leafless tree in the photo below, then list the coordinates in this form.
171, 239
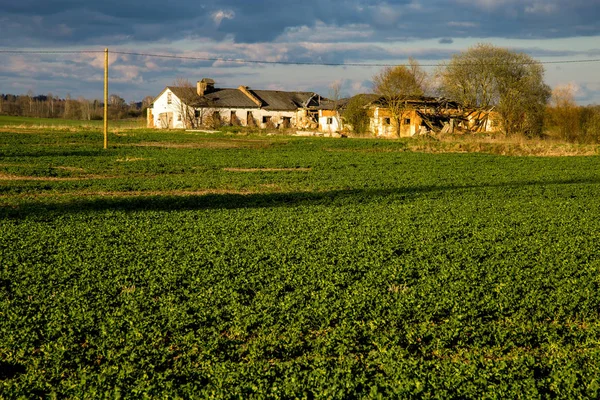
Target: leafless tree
422, 78
68, 114
117, 106
147, 102
335, 95
50, 100
30, 100
486, 76
564, 113
397, 85
187, 100
85, 107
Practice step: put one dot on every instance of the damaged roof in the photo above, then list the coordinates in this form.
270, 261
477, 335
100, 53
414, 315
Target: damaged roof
327, 104
273, 100
421, 101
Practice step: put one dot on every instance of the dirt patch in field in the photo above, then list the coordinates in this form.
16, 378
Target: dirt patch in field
267, 169
10, 177
132, 159
53, 128
133, 193
272, 187
373, 150
71, 169
163, 193
44, 196
209, 144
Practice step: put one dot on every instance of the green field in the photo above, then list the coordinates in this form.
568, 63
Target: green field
225, 266
27, 122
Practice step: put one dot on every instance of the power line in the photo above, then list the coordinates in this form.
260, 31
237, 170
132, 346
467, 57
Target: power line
321, 63
50, 51
241, 61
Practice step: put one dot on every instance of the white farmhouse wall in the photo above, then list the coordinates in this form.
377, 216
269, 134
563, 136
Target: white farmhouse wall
167, 114
162, 110
329, 122
378, 126
241, 114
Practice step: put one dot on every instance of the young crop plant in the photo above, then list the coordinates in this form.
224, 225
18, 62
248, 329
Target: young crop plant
215, 266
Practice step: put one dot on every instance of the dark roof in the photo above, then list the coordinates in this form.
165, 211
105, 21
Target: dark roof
285, 101
233, 98
184, 93
421, 101
273, 100
327, 104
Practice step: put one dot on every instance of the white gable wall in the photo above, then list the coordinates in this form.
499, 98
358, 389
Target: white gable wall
329, 121
168, 114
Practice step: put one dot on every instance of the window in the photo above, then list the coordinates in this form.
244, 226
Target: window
386, 121
329, 121
266, 119
407, 121
178, 117
169, 98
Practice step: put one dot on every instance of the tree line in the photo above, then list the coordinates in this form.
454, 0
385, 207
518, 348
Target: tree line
486, 78
51, 106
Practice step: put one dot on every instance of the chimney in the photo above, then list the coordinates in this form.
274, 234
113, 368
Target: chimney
205, 86
246, 91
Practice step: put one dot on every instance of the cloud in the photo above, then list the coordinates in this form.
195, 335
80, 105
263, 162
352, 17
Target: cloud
220, 15
328, 31
463, 24
540, 7
322, 32
109, 22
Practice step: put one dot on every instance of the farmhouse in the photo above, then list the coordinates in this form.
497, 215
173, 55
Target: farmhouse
422, 114
329, 115
179, 107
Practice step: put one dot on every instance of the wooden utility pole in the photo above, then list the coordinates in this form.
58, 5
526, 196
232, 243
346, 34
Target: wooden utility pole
105, 98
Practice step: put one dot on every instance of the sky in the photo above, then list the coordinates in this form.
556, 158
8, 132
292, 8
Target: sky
308, 31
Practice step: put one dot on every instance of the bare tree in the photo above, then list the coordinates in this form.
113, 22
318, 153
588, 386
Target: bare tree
147, 102
486, 76
335, 95
50, 100
30, 96
422, 78
564, 112
85, 107
187, 98
397, 85
117, 106
590, 118
335, 92
68, 113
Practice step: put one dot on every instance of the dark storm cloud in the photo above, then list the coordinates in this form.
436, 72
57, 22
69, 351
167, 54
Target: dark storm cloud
111, 22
